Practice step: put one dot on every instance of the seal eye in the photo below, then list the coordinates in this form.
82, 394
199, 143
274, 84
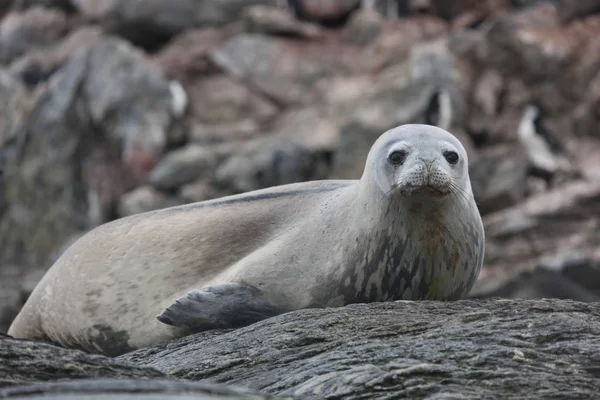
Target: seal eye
451, 157
397, 157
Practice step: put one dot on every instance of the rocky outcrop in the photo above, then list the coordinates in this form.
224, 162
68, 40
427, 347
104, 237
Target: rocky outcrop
38, 370
467, 349
28, 362
88, 140
129, 389
536, 349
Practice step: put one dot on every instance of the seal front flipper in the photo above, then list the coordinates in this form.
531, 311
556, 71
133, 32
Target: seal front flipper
228, 305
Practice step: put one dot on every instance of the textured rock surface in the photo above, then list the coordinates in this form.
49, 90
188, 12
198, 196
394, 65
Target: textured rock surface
129, 389
467, 349
25, 362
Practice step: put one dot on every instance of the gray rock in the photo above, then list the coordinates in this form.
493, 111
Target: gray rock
272, 161
198, 191
150, 23
363, 27
224, 132
27, 362
453, 9
130, 389
105, 94
499, 177
5, 6
182, 166
314, 127
65, 5
15, 104
274, 21
16, 284
571, 9
39, 64
422, 350
10, 295
34, 28
145, 198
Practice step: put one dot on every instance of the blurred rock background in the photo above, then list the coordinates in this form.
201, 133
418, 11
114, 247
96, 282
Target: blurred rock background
116, 107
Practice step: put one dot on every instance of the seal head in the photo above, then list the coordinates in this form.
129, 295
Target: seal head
420, 161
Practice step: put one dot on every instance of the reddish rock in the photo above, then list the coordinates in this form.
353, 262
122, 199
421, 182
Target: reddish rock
221, 99
186, 57
286, 70
394, 43
323, 10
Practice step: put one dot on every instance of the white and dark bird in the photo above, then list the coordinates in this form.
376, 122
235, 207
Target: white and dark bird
439, 110
547, 155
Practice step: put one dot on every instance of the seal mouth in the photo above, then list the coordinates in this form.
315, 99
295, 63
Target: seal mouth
424, 191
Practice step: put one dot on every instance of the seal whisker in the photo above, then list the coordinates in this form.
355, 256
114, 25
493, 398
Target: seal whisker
394, 186
457, 190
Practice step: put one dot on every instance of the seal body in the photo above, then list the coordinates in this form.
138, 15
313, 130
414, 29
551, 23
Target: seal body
408, 229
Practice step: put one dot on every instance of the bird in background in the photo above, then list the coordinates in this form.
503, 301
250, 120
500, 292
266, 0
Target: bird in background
547, 156
439, 109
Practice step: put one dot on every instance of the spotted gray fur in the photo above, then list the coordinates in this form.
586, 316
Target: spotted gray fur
408, 229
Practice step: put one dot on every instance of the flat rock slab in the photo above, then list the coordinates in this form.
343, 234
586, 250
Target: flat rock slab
489, 349
24, 362
129, 389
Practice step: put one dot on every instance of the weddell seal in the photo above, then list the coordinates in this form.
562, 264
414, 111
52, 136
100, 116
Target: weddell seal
408, 229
